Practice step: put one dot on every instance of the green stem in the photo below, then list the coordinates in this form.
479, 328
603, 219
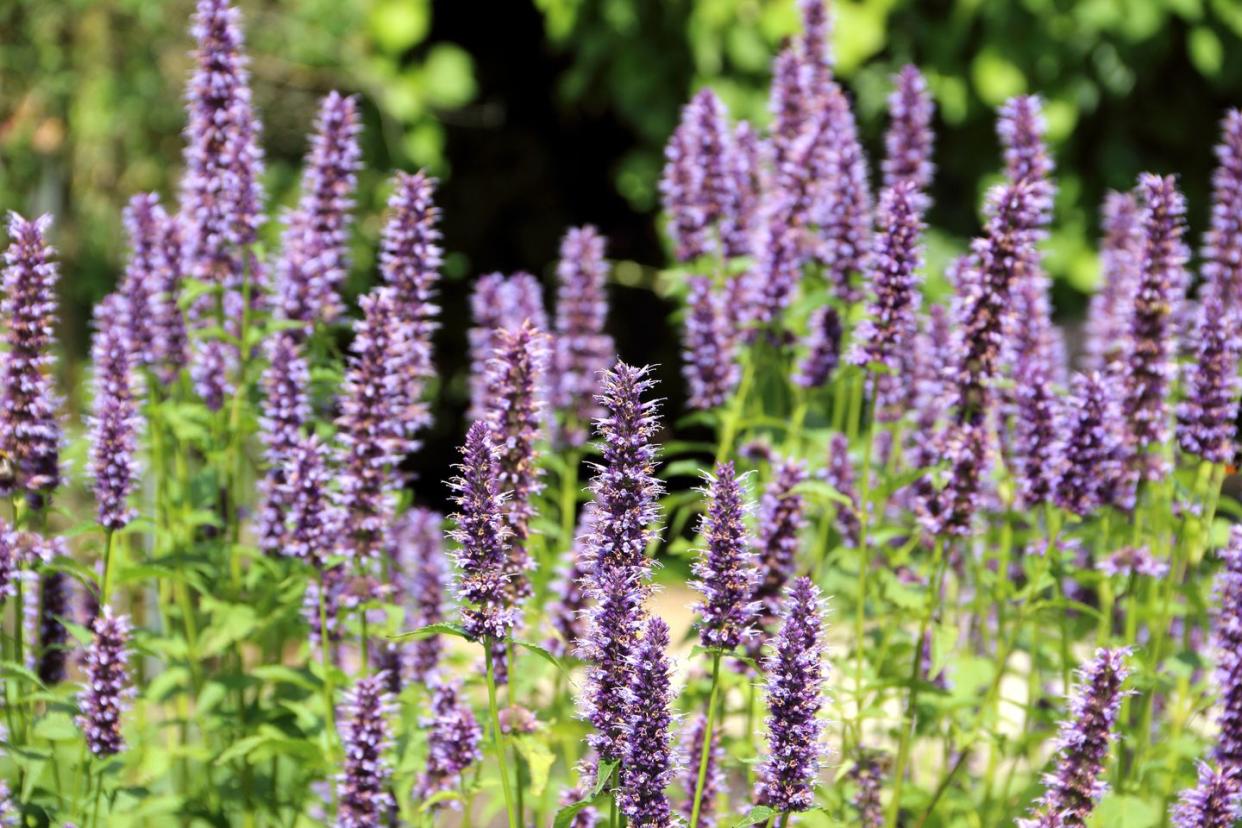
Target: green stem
736, 407
497, 738
107, 570
706, 750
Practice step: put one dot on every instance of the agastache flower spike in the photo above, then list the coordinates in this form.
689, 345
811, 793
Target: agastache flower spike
713, 780
107, 689
1021, 128
114, 419
795, 672
726, 570
787, 103
482, 533
1108, 313
1083, 744
842, 207
410, 260
1090, 447
868, 776
370, 429
1161, 283
823, 348
498, 303
1222, 247
699, 191
314, 247
424, 568
625, 487
29, 431
583, 349
894, 264
221, 191
814, 45
749, 152
839, 473
1227, 643
1034, 438
647, 768
172, 345
781, 520
362, 786
568, 613
1206, 417
55, 602
310, 528
908, 142
453, 742
286, 408
615, 618
709, 366
144, 273
1212, 803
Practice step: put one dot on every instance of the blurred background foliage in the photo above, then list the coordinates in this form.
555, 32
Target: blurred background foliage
543, 113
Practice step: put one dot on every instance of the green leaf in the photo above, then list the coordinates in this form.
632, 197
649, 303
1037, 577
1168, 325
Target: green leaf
539, 760
542, 653
239, 749
438, 797
602, 775
758, 814
565, 816
57, 727
1130, 811
429, 631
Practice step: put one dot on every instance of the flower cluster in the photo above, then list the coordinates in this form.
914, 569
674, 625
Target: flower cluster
114, 420
583, 350
107, 689
362, 786
726, 571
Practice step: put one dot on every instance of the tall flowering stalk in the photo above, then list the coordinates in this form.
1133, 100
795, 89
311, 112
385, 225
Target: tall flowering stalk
583, 350
1158, 296
362, 785
172, 344
709, 366
842, 206
314, 259
286, 409
795, 672
369, 427
696, 741
823, 348
839, 473
1212, 803
868, 776
311, 525
452, 743
498, 303
55, 603
410, 260
1222, 247
909, 140
1206, 417
1108, 314
1091, 445
114, 419
647, 768
30, 434
424, 570
568, 613
1227, 643
615, 619
700, 194
1083, 744
780, 521
143, 282
107, 689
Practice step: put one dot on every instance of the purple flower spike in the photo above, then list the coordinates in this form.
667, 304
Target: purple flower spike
1083, 744
212, 363
370, 427
823, 348
1222, 247
1227, 643
1034, 371
749, 165
29, 431
1158, 297
625, 487
569, 612
1108, 314
425, 581
55, 603
842, 209
608, 647
482, 532
286, 408
839, 473
516, 393
221, 191
1133, 560
951, 510
713, 780
795, 681
647, 769
583, 349
145, 273
710, 368
498, 303
105, 694
781, 520
314, 258
588, 770
786, 102
362, 786
815, 43
410, 259
1090, 448
895, 260
726, 570
868, 776
310, 528
1205, 418
699, 192
172, 344
1021, 128
114, 419
1213, 803
453, 740
908, 142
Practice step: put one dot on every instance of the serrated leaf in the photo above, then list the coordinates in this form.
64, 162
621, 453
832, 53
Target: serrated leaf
756, 815
542, 653
429, 631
